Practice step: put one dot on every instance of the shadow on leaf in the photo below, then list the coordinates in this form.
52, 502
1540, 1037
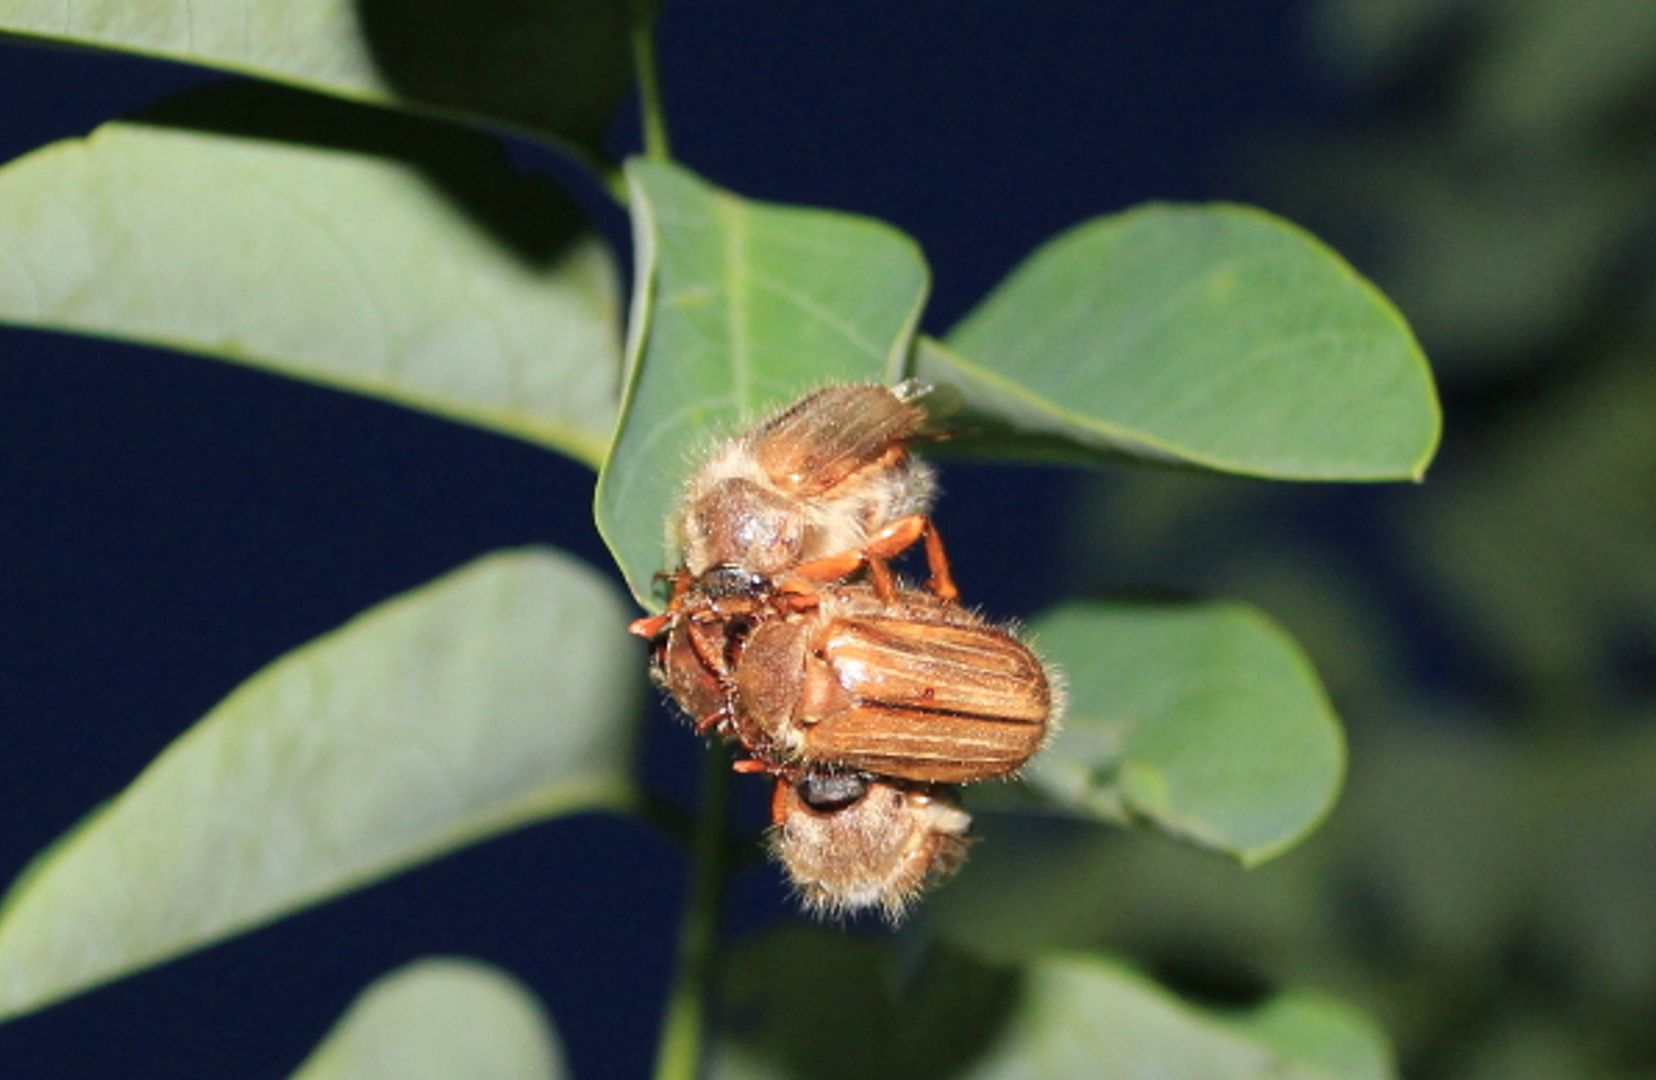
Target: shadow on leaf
554, 66
529, 217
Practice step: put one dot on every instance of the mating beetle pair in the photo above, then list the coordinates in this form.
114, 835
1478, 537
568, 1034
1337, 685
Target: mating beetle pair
787, 632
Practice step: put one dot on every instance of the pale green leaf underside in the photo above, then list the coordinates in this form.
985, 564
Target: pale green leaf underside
740, 307
437, 1020
1214, 336
344, 268
1204, 720
1087, 1017
552, 69
495, 696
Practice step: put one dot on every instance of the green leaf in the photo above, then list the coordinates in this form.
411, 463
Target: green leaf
377, 254
815, 1004
1082, 1016
496, 696
1205, 720
1326, 1035
554, 68
739, 307
436, 1020
1215, 336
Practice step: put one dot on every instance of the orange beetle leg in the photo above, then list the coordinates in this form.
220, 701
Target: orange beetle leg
884, 587
650, 626
831, 567
749, 765
942, 581
903, 534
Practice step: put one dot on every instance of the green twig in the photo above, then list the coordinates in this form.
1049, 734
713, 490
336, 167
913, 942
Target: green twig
649, 89
685, 1025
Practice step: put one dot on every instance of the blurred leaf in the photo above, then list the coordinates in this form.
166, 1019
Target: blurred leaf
1328, 1036
1547, 539
551, 67
440, 1020
1205, 720
497, 696
1530, 1043
1547, 71
1038, 883
1216, 336
809, 1004
740, 306
1407, 902
315, 240
1376, 38
1589, 825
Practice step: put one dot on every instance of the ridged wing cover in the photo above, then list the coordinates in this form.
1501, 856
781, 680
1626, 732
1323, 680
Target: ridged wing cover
938, 702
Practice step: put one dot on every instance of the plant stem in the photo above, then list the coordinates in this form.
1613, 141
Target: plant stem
649, 89
685, 1025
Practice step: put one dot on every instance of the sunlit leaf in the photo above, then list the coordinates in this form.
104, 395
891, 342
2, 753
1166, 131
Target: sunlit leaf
739, 307
1204, 720
1214, 336
554, 67
498, 695
374, 253
437, 1020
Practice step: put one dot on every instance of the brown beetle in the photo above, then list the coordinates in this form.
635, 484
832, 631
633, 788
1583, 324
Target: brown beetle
851, 842
914, 688
819, 489
815, 493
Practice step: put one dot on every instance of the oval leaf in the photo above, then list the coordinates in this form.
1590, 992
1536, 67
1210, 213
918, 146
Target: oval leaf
739, 307
376, 254
436, 1020
1205, 720
554, 69
1215, 336
498, 695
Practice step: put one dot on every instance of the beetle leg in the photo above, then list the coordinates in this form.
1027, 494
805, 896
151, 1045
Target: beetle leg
941, 581
903, 534
831, 567
889, 543
883, 546
884, 587
779, 801
749, 765
794, 596
711, 721
650, 625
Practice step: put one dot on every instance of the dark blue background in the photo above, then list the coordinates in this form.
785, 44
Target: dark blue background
169, 524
